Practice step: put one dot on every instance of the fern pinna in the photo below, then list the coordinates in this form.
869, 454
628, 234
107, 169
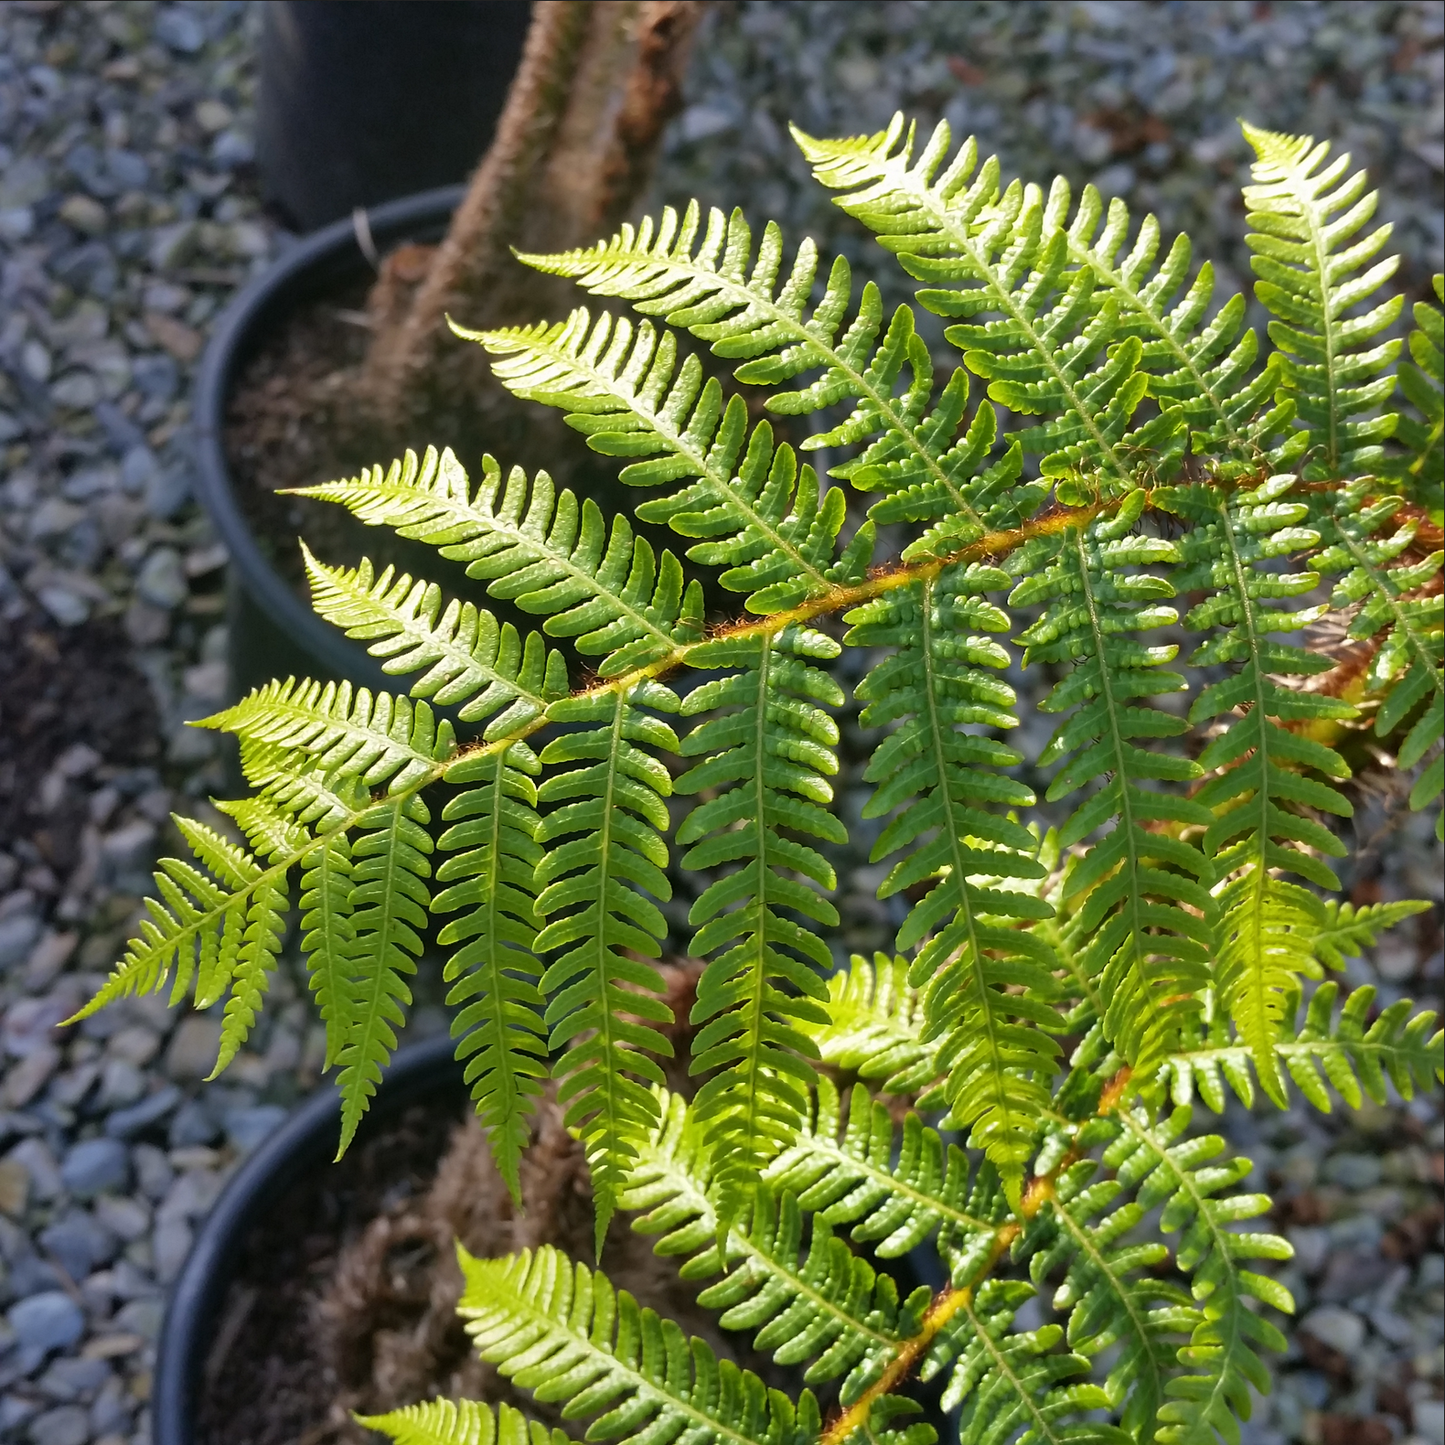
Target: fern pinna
1072, 976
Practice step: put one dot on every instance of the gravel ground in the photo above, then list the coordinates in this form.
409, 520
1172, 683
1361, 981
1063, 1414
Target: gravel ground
128, 214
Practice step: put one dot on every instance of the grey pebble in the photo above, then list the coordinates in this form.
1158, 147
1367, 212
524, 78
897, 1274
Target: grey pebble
96, 1166
65, 1425
1354, 1172
70, 1379
17, 936
78, 1243
246, 1128
39, 1162
179, 29
121, 1084
50, 1320
127, 1219
125, 1123
162, 582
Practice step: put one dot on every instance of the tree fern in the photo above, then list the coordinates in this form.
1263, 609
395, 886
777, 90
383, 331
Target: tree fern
1174, 924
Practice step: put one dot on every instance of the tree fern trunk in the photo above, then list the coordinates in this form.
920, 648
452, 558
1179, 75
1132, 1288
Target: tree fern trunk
573, 151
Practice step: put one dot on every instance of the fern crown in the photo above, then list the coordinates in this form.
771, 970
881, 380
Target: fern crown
1107, 475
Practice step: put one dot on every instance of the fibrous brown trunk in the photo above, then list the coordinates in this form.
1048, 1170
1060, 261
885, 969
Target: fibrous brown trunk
574, 150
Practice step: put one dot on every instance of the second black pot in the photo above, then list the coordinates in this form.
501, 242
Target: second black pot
256, 1195
272, 632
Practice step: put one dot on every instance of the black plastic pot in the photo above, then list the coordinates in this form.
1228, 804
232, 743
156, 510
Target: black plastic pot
362, 101
272, 632
302, 1146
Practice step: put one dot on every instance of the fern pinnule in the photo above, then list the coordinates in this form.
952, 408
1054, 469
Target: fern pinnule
1331, 362
1142, 894
1422, 430
470, 659
765, 751
495, 975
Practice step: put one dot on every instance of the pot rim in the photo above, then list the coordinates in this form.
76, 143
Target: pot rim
195, 1297
235, 332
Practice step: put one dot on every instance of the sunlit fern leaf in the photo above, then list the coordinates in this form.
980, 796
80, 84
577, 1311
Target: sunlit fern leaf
1205, 368
1310, 279
1265, 922
328, 934
1422, 433
1143, 894
874, 1025
382, 739
1052, 352
1108, 1299
897, 1186
494, 974
460, 1422
939, 781
389, 900
1351, 1051
715, 288
1348, 930
765, 751
470, 659
563, 1332
539, 548
768, 524
270, 829
813, 1302
290, 780
1164, 1166
603, 1000
1401, 612
1009, 1380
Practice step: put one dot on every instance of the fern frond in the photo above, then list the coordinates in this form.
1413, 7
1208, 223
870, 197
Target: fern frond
940, 780
291, 781
768, 524
1206, 369
1423, 385
1346, 931
1265, 921
494, 974
766, 753
1052, 352
460, 1422
328, 934
1351, 1051
874, 1025
541, 549
269, 829
1107, 1303
896, 1186
381, 739
1401, 610
722, 294
1301, 220
470, 659
828, 1307
1165, 1167
1010, 1380
592, 899
1142, 894
563, 1332
389, 901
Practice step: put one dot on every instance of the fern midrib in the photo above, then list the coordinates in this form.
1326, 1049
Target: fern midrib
1219, 1241
756, 1012
379, 940
506, 1092
965, 243
1086, 256
664, 429
1064, 951
1299, 1049
960, 873
1021, 1391
1116, 741
1320, 250
1258, 971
